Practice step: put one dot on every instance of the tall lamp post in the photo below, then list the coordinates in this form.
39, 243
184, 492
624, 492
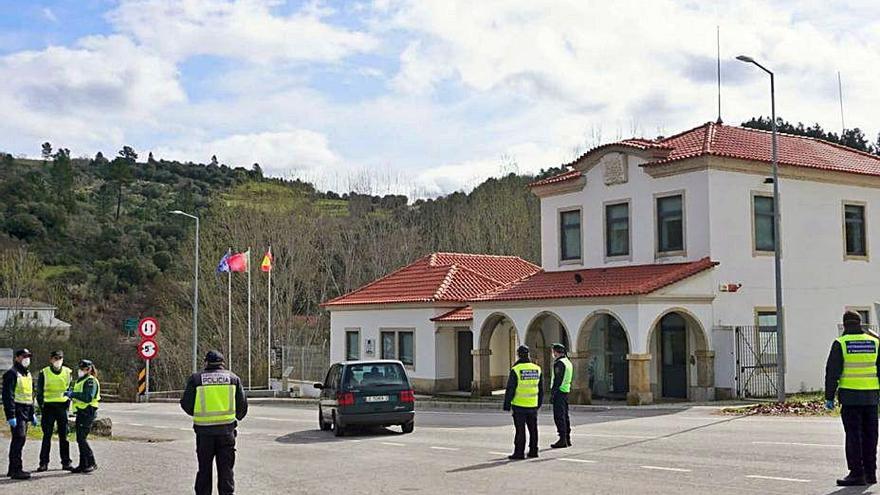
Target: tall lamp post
195, 351
777, 241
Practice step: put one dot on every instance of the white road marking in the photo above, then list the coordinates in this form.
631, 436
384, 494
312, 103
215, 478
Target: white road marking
799, 444
443, 448
603, 435
161, 426
184, 429
661, 468
135, 424
498, 453
567, 459
393, 444
774, 478
355, 441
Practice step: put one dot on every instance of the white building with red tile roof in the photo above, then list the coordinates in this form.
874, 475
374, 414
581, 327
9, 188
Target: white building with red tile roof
656, 272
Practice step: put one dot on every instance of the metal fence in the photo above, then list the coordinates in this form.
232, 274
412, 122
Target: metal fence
756, 361
306, 362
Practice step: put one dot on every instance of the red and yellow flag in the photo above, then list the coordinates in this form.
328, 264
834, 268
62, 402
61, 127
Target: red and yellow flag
266, 264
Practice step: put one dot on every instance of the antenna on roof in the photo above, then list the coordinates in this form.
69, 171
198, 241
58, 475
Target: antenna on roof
840, 96
718, 52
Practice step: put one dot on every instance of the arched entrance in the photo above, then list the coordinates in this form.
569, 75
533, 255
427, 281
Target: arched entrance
495, 355
606, 346
684, 367
544, 330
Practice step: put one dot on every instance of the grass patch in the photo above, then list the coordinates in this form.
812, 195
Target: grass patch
332, 207
265, 196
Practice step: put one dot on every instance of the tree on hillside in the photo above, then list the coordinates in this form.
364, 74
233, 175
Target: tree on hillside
121, 173
61, 175
8, 160
257, 171
100, 160
47, 151
214, 160
853, 138
150, 159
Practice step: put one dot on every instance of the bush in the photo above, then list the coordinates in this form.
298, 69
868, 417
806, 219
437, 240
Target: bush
25, 227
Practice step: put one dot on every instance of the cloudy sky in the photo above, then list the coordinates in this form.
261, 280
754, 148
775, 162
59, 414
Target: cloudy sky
421, 97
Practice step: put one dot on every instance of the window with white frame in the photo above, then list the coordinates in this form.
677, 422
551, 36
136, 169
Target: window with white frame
400, 345
352, 345
570, 235
617, 229
763, 223
855, 236
670, 224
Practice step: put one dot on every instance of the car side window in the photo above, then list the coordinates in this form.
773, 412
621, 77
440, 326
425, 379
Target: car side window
330, 381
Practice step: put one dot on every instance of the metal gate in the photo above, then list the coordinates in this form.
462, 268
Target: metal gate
756, 361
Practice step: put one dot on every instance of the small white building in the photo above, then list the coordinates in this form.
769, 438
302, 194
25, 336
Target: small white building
24, 312
656, 271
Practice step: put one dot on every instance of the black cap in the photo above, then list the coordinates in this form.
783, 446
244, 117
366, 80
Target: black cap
522, 351
558, 347
214, 357
85, 363
57, 354
852, 318
23, 352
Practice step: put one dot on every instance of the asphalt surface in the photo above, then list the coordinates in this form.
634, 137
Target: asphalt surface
280, 450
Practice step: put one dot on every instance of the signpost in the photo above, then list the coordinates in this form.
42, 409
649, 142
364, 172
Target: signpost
148, 349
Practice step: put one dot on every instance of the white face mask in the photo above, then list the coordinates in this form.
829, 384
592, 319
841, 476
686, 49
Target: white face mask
26, 362
82, 373
57, 364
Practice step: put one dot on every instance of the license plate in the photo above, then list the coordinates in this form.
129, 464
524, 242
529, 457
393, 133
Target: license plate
377, 398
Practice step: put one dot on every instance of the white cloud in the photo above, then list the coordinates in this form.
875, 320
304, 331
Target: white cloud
49, 15
242, 29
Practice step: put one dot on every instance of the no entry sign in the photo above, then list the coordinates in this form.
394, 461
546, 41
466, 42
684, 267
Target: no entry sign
148, 349
148, 327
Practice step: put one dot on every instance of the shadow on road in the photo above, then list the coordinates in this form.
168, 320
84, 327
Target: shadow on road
851, 490
36, 477
318, 436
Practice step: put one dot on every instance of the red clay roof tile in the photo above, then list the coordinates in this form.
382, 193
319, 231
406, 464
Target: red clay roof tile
458, 314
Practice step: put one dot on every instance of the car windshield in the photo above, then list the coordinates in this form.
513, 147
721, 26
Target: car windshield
374, 375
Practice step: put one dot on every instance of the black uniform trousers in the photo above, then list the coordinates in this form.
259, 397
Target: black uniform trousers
523, 418
23, 415
860, 425
84, 419
222, 448
54, 413
560, 415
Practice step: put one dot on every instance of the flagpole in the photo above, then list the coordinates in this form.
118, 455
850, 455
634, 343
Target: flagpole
269, 345
249, 316
229, 315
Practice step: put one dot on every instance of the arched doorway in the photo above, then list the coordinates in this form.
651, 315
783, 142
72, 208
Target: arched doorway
607, 346
495, 355
544, 330
684, 367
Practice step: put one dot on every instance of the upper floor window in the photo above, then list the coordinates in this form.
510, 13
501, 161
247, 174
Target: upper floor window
570, 235
617, 230
670, 224
854, 230
763, 223
352, 345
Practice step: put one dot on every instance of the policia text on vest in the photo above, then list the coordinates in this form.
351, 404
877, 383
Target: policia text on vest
524, 395
851, 374
216, 401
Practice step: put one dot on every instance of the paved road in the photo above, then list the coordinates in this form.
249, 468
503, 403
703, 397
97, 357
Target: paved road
620, 452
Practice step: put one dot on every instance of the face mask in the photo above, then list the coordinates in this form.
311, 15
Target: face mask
26, 362
57, 364
82, 373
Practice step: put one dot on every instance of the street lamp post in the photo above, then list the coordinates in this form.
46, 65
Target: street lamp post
777, 240
195, 341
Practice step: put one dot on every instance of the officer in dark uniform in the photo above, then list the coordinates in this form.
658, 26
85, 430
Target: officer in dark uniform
851, 373
52, 382
18, 404
524, 395
563, 371
216, 401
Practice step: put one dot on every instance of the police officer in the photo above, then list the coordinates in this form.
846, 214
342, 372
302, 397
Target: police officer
86, 397
851, 373
524, 395
52, 382
216, 401
560, 386
18, 404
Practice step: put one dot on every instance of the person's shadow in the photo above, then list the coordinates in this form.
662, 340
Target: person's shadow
853, 490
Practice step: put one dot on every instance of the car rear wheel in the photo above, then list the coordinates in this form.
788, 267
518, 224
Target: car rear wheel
325, 426
408, 427
337, 430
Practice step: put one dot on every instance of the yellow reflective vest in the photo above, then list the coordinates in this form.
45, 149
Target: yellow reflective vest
78, 388
565, 386
215, 399
859, 362
24, 389
55, 384
528, 381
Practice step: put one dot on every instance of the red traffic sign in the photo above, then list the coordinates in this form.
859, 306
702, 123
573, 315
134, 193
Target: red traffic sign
148, 327
148, 349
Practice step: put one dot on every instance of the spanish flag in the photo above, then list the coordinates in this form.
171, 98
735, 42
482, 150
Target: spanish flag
266, 265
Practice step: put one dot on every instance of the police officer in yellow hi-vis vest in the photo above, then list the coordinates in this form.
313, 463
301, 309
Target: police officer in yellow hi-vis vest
563, 371
18, 404
86, 397
216, 401
851, 373
52, 382
524, 395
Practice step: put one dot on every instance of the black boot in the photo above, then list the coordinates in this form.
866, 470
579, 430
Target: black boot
532, 454
871, 479
516, 457
568, 440
43, 468
67, 467
21, 475
560, 444
852, 480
